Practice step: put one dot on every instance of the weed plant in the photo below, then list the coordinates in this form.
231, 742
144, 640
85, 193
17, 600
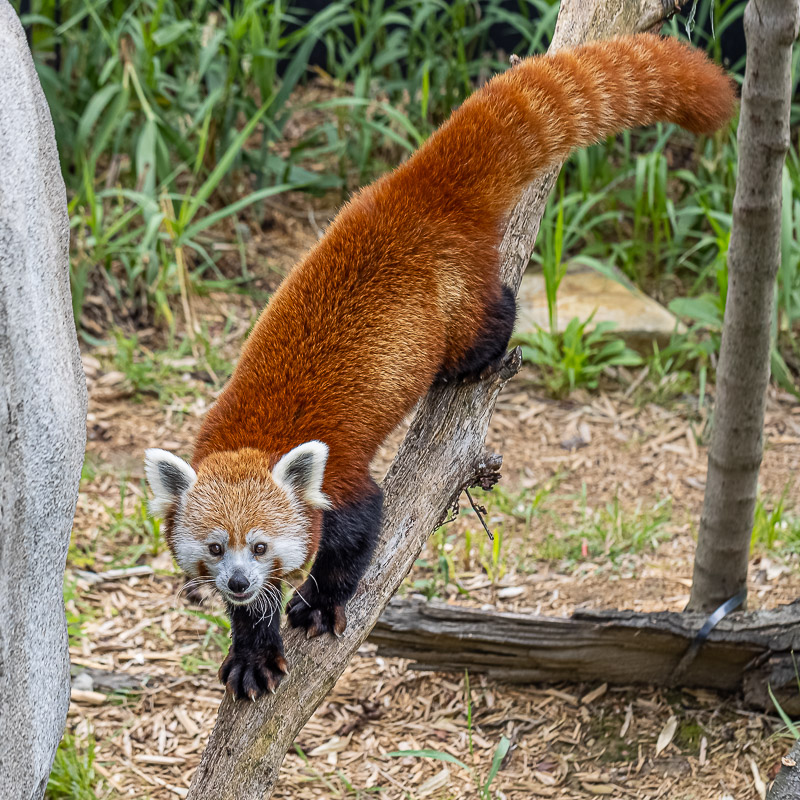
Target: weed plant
483, 785
776, 527
74, 776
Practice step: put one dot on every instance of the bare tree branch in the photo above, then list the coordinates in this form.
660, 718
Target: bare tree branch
442, 454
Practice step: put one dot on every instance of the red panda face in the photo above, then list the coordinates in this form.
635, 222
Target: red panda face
237, 523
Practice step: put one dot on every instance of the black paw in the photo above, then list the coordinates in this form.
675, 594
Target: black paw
252, 674
318, 615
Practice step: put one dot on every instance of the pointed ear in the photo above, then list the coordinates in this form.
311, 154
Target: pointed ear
300, 473
169, 477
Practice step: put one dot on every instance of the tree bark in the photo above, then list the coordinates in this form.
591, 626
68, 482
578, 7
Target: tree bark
786, 785
442, 454
734, 458
42, 424
744, 652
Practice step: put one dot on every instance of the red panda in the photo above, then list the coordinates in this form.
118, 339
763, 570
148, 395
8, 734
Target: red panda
403, 289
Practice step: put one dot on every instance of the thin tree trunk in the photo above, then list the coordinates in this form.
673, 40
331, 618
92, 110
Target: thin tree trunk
734, 458
441, 455
42, 424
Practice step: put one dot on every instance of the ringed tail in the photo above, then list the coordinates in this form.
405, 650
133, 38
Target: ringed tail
537, 112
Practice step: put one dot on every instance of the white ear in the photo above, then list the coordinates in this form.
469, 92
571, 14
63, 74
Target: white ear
169, 477
300, 472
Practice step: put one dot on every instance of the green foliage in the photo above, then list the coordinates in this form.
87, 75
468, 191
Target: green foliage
344, 789
706, 311
141, 532
162, 373
776, 528
74, 776
172, 121
167, 115
441, 570
679, 369
791, 727
216, 641
608, 533
576, 357
490, 556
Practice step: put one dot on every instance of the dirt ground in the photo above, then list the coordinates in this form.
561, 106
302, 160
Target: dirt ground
598, 508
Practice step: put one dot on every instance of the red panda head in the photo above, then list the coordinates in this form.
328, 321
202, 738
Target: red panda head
238, 522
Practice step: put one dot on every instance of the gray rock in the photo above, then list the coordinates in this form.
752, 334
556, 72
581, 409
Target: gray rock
639, 319
42, 424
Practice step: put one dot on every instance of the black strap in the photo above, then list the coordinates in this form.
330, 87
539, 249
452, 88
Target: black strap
714, 618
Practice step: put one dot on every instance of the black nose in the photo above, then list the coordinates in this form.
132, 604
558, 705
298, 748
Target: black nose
238, 583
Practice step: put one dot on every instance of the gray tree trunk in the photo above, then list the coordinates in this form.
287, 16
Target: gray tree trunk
441, 455
734, 458
42, 424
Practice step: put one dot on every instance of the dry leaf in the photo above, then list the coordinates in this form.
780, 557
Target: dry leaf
628, 719
600, 788
758, 781
92, 698
545, 777
438, 781
594, 694
667, 732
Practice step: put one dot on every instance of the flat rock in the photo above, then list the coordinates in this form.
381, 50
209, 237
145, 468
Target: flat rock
639, 319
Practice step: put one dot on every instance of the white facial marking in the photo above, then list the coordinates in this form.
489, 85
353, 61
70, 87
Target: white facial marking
300, 473
291, 550
188, 551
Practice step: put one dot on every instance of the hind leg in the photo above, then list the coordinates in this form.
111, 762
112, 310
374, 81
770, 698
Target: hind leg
492, 341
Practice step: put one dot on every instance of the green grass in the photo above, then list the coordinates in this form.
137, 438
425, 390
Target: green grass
338, 784
140, 532
163, 374
608, 533
214, 645
73, 776
776, 527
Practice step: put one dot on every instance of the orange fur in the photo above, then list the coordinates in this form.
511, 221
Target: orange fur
236, 493
395, 291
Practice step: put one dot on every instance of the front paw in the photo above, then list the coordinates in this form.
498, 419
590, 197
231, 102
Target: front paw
317, 614
251, 674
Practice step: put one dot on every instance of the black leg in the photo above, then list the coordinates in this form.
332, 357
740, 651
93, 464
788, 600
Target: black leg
348, 541
255, 662
492, 340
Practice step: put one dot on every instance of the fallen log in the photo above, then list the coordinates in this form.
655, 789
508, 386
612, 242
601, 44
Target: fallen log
746, 651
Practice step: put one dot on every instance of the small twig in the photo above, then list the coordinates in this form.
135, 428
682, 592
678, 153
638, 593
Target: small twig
480, 511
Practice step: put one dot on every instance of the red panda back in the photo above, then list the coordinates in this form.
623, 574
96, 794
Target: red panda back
398, 286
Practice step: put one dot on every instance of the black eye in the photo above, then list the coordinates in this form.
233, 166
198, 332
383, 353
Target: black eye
215, 549
260, 549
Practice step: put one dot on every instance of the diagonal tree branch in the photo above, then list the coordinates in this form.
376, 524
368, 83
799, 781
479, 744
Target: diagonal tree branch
442, 454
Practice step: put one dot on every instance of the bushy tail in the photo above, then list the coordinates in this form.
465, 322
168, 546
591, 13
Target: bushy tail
537, 112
